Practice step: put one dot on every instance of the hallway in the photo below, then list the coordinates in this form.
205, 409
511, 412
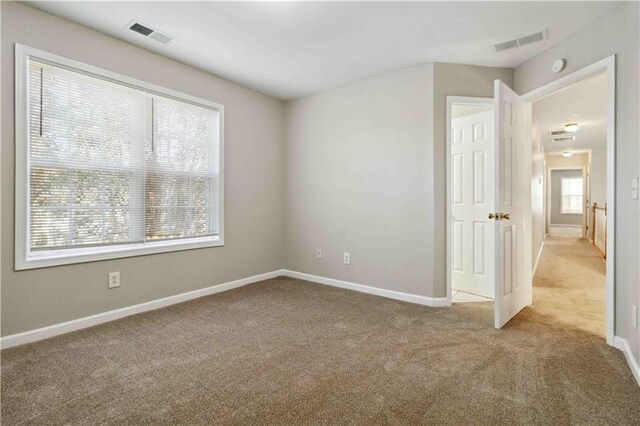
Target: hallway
569, 285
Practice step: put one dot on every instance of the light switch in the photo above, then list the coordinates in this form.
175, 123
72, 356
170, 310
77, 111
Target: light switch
634, 188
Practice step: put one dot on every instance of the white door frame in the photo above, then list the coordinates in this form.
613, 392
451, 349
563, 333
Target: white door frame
457, 101
549, 192
607, 65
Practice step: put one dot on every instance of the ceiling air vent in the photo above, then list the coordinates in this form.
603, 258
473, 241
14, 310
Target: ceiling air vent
139, 28
563, 139
499, 47
147, 31
520, 41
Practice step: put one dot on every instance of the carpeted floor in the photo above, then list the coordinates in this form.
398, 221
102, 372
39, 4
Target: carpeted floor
569, 285
286, 351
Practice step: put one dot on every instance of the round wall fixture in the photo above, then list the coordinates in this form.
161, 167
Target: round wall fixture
558, 65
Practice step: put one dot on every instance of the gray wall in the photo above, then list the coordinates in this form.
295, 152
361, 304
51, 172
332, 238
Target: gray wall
366, 175
616, 33
253, 200
359, 163
556, 217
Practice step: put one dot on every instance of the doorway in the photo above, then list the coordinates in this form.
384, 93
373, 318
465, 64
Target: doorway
514, 242
575, 117
471, 182
470, 194
488, 200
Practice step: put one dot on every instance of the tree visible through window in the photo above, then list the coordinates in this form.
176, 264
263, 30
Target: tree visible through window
111, 164
571, 193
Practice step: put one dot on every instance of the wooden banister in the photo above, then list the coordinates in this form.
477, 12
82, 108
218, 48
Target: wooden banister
595, 207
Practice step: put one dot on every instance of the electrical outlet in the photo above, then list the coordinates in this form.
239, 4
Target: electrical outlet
319, 254
634, 188
634, 316
114, 279
346, 258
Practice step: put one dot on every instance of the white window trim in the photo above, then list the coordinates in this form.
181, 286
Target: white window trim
562, 196
27, 259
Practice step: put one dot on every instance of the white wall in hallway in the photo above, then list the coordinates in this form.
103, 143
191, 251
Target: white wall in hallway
538, 201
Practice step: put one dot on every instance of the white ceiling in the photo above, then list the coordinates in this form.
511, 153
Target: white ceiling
584, 103
293, 49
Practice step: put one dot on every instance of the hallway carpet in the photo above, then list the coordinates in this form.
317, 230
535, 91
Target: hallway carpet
285, 351
569, 285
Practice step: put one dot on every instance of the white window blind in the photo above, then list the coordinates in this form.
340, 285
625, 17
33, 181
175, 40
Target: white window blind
181, 185
86, 159
113, 165
571, 190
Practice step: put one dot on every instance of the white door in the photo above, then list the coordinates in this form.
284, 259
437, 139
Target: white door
513, 204
472, 196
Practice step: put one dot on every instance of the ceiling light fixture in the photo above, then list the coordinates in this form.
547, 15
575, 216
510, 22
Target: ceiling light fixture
571, 127
563, 138
562, 132
567, 154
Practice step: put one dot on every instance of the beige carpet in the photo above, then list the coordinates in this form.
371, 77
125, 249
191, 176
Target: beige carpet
290, 352
569, 285
565, 231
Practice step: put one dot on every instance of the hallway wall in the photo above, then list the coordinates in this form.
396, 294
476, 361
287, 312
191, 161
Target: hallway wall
538, 201
599, 176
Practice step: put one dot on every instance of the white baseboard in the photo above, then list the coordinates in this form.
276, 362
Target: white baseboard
565, 225
101, 318
623, 345
535, 267
80, 323
390, 294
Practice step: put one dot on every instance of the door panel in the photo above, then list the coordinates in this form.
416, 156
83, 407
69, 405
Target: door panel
480, 237
512, 237
479, 177
458, 246
457, 178
472, 193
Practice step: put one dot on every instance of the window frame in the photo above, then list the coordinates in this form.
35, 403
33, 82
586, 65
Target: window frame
562, 179
25, 258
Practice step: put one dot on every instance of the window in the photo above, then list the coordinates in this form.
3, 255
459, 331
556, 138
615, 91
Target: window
109, 166
571, 193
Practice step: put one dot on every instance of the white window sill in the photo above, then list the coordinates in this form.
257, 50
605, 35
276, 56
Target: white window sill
46, 258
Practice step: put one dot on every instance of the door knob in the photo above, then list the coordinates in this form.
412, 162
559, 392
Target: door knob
493, 216
504, 216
